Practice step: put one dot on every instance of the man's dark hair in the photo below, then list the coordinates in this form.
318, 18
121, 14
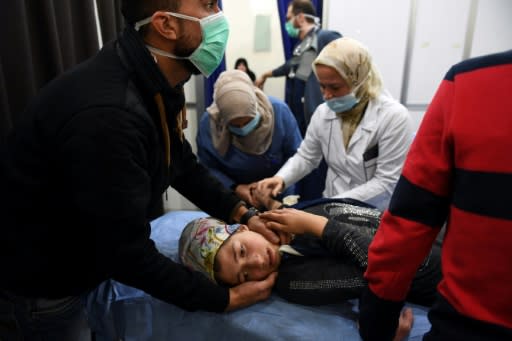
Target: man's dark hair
135, 10
303, 6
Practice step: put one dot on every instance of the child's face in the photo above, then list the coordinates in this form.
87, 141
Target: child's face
246, 256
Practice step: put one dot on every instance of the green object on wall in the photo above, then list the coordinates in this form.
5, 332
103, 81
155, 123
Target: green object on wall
262, 33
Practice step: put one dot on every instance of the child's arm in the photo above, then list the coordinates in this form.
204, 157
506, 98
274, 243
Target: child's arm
294, 221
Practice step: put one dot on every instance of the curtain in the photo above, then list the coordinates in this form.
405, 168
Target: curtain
111, 19
38, 41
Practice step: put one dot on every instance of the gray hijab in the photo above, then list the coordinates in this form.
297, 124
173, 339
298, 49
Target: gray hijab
236, 96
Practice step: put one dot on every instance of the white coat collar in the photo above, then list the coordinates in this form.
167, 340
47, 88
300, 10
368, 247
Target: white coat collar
368, 123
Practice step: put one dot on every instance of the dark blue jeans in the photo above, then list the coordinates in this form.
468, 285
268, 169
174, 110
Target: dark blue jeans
38, 319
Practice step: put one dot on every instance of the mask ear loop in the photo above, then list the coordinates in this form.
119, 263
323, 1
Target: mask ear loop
315, 19
356, 88
142, 22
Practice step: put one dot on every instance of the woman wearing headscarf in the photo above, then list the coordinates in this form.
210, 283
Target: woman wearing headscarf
245, 135
360, 130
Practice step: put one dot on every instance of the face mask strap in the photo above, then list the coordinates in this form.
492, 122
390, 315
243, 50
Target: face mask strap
183, 16
354, 90
315, 19
142, 22
164, 53
211, 17
146, 21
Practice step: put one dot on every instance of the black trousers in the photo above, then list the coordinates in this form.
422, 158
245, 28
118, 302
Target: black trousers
449, 325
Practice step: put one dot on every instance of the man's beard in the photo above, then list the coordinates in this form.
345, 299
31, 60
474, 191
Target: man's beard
182, 50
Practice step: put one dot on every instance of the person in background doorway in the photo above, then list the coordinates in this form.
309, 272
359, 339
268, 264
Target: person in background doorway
91, 156
305, 94
245, 135
242, 65
459, 173
360, 130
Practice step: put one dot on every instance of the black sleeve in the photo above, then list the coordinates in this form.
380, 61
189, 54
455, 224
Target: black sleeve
194, 182
319, 280
107, 153
282, 70
349, 231
345, 240
378, 318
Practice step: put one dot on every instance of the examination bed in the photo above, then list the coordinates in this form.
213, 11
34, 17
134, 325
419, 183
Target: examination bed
120, 312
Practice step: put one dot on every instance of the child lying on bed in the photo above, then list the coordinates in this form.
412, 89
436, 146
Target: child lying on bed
330, 257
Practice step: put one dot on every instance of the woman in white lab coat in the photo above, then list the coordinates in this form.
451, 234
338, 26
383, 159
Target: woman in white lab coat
363, 133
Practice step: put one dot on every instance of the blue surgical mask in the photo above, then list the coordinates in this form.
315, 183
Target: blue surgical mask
208, 55
343, 103
246, 129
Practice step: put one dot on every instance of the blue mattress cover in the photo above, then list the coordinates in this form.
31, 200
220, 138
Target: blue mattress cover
117, 311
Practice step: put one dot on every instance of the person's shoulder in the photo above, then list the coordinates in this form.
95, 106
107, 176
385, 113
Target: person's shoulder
276, 101
388, 105
479, 62
328, 35
123, 127
204, 118
204, 126
281, 109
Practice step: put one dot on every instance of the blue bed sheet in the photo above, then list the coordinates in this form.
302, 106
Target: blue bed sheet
117, 311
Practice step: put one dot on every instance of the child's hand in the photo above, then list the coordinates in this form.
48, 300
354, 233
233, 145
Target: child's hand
294, 221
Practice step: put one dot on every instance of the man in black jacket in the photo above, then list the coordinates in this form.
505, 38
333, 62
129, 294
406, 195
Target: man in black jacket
89, 161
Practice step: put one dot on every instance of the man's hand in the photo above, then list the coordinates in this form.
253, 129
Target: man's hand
244, 192
260, 82
250, 292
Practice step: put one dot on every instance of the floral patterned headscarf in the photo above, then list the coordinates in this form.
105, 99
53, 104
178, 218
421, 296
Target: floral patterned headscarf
199, 242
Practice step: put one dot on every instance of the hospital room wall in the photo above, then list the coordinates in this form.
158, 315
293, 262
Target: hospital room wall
413, 43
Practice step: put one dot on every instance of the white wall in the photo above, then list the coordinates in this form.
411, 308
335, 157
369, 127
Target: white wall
381, 26
241, 15
414, 42
493, 27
